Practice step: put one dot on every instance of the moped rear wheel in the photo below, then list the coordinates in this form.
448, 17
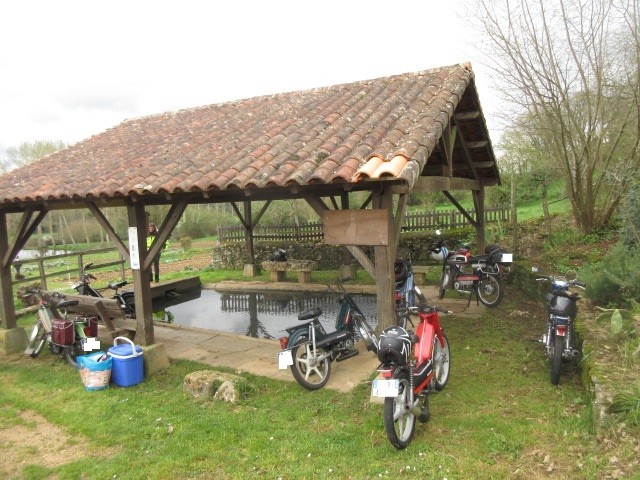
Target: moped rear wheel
490, 290
71, 353
37, 340
441, 362
308, 371
399, 422
556, 359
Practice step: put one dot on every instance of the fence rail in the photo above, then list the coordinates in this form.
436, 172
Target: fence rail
413, 222
56, 266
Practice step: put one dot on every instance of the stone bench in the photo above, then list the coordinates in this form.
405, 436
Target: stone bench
303, 269
420, 273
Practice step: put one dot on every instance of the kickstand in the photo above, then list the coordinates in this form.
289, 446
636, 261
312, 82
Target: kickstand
474, 291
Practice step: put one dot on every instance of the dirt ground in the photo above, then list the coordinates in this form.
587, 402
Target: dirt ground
33, 440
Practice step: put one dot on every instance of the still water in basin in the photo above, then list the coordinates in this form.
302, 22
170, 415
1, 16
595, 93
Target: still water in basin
261, 314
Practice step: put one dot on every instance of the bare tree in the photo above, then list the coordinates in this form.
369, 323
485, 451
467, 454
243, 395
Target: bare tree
570, 68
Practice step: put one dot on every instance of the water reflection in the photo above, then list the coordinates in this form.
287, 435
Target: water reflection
261, 314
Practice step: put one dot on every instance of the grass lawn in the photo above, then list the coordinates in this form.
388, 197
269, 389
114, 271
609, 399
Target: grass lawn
499, 417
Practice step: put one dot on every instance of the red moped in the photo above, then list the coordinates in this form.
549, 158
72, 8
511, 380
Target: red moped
413, 365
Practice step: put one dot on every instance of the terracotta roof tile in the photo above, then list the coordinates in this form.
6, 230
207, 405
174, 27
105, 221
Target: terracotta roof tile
323, 135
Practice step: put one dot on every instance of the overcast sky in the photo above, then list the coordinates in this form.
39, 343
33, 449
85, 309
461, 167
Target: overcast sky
72, 69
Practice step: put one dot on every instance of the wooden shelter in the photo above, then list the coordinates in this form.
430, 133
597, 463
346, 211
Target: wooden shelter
414, 132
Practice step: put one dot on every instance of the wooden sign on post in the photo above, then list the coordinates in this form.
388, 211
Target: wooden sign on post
356, 227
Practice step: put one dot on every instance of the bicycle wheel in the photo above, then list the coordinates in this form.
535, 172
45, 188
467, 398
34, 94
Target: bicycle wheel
399, 422
37, 340
556, 359
308, 371
441, 362
490, 290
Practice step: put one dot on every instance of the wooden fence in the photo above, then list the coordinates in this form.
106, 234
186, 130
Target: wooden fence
413, 222
62, 265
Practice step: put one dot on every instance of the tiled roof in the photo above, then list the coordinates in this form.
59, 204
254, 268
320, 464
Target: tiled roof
375, 129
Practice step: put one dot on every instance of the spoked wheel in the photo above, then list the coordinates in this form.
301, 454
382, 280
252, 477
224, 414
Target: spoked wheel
556, 359
366, 333
71, 353
399, 423
37, 340
402, 318
308, 371
443, 283
490, 290
441, 362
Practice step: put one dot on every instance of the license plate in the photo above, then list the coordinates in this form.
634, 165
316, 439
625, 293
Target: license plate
385, 388
284, 359
507, 258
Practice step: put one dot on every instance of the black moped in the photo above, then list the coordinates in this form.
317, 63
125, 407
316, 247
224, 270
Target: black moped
309, 349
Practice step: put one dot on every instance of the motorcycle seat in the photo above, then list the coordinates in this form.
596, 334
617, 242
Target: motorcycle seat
309, 314
117, 285
67, 303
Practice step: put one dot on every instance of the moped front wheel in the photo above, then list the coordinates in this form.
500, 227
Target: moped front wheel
37, 340
366, 333
441, 362
444, 282
490, 290
308, 371
399, 421
556, 359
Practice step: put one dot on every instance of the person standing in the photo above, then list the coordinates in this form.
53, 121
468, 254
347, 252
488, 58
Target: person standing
155, 266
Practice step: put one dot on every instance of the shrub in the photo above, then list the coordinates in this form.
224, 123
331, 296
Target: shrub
615, 280
186, 243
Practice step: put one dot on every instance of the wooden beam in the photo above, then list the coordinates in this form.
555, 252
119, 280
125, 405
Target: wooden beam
467, 156
475, 145
166, 229
104, 223
470, 115
320, 207
461, 209
141, 281
25, 230
441, 184
7, 308
398, 220
385, 256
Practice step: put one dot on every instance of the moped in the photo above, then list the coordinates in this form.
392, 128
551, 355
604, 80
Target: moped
65, 336
413, 365
559, 339
470, 274
309, 349
407, 292
125, 298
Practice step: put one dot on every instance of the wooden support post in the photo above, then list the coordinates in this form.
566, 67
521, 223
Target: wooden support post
141, 280
384, 259
7, 309
478, 197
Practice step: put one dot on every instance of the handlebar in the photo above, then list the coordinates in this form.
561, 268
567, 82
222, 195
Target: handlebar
561, 279
424, 308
